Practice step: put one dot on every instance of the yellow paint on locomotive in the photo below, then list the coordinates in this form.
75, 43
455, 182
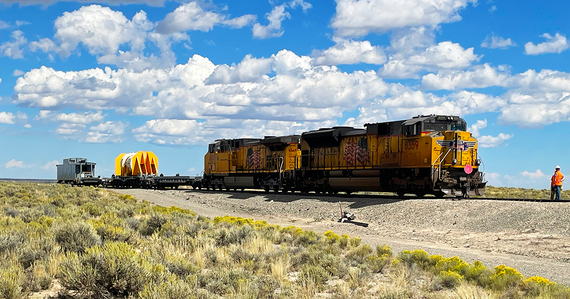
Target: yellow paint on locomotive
422, 151
465, 154
253, 159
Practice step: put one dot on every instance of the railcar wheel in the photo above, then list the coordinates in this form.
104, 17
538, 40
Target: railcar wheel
401, 193
266, 190
242, 189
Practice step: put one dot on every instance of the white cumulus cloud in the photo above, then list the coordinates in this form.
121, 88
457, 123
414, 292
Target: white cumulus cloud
497, 42
478, 125
11, 118
50, 165
6, 118
78, 118
3, 25
479, 76
445, 55
361, 17
533, 175
14, 163
350, 52
493, 141
554, 44
108, 132
191, 16
12, 48
273, 29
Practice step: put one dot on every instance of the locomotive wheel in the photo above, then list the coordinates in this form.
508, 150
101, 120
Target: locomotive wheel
420, 194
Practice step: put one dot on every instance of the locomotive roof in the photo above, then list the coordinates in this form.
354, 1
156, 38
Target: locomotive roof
421, 118
281, 139
327, 137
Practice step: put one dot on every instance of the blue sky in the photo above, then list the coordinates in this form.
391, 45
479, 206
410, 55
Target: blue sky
97, 78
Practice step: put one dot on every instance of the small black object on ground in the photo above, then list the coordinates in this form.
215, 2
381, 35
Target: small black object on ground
349, 218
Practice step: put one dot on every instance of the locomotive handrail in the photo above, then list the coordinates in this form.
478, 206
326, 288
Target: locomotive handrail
440, 161
281, 170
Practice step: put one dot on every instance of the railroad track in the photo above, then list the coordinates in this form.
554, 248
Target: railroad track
354, 195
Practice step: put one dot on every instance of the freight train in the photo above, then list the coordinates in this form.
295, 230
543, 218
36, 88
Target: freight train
132, 170
431, 154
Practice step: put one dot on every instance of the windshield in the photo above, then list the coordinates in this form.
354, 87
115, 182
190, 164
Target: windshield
439, 126
459, 126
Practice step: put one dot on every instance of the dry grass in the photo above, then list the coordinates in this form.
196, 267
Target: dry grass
280, 268
82, 237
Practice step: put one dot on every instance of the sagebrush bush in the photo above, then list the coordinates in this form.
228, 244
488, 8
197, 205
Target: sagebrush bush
10, 283
115, 269
37, 278
446, 280
153, 224
177, 289
358, 255
76, 237
111, 228
313, 275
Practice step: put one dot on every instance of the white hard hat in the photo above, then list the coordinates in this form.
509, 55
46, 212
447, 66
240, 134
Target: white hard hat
557, 167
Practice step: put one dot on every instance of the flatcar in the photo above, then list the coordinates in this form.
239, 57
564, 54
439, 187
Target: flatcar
431, 154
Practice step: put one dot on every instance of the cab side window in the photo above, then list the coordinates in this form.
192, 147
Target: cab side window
413, 130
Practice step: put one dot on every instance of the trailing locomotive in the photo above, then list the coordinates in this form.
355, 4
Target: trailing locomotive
431, 154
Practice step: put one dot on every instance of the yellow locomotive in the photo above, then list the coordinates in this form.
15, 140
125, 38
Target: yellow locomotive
269, 163
431, 154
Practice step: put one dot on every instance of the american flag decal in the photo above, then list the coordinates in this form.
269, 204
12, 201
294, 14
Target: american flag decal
461, 145
356, 151
253, 158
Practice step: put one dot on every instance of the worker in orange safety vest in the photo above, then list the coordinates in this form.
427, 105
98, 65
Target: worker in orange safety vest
556, 182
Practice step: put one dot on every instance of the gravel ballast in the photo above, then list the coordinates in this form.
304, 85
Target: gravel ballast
532, 237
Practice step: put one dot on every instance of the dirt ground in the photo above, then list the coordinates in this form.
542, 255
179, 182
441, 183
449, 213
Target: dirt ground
531, 237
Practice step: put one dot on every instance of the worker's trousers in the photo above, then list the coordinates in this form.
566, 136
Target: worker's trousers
557, 192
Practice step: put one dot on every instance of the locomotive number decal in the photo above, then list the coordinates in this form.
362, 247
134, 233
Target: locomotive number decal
356, 151
410, 145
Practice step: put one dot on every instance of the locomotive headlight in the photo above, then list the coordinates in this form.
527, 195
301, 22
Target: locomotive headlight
454, 161
477, 161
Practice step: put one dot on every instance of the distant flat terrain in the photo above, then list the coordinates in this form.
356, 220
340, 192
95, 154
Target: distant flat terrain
30, 180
